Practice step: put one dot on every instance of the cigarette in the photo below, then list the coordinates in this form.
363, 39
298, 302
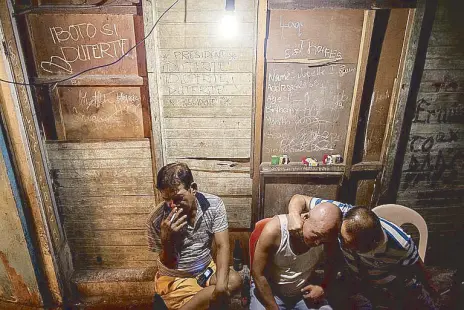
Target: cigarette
172, 218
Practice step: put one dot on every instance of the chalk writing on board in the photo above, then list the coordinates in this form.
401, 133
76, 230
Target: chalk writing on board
309, 48
113, 103
303, 107
291, 25
186, 102
75, 44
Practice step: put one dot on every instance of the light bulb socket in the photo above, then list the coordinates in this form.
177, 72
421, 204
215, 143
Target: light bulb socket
230, 5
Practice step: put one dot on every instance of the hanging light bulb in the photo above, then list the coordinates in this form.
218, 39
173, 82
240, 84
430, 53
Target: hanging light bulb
229, 24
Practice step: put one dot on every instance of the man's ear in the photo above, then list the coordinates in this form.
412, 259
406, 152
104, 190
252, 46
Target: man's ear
194, 187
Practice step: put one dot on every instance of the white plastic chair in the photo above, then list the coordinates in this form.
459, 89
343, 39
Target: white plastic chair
402, 215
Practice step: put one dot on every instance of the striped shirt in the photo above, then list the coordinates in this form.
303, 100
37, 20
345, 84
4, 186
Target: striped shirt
194, 253
380, 266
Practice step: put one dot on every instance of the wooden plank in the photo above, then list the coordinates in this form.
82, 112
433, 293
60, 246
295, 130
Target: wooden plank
212, 165
56, 3
368, 25
117, 237
93, 153
438, 112
332, 4
196, 133
258, 106
64, 45
91, 80
200, 152
103, 174
201, 5
367, 166
90, 263
387, 72
102, 163
207, 66
267, 167
206, 15
208, 123
442, 75
209, 112
223, 184
194, 29
111, 183
437, 97
101, 113
208, 90
206, 78
442, 86
96, 202
411, 75
245, 41
443, 52
135, 143
80, 189
451, 64
204, 54
364, 192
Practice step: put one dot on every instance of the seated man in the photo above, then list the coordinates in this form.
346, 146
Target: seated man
283, 264
181, 229
383, 263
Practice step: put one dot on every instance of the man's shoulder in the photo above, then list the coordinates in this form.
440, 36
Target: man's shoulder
208, 201
156, 213
397, 237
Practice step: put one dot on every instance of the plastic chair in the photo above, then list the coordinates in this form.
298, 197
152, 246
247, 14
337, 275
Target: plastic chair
402, 215
259, 226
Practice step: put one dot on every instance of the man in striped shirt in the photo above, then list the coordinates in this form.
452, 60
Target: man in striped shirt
383, 261
181, 229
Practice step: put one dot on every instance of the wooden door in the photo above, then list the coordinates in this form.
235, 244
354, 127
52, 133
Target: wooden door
329, 78
96, 125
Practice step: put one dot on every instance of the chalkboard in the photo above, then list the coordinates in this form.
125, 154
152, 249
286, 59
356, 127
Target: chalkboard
65, 44
100, 112
310, 75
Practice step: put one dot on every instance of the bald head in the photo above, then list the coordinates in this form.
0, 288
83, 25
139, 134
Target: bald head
323, 223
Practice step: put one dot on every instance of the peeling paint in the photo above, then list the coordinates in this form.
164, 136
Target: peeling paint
19, 290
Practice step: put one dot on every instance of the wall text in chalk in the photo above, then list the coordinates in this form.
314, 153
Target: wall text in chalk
87, 51
291, 25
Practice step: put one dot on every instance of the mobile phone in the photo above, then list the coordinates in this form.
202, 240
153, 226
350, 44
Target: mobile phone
203, 278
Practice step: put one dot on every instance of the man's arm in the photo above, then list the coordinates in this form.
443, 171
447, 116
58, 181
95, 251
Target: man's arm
299, 204
170, 226
264, 252
222, 260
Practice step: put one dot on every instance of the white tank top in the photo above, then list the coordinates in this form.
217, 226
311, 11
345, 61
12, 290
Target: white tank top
289, 271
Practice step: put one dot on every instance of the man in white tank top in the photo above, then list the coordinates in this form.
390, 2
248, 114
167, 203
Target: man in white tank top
284, 264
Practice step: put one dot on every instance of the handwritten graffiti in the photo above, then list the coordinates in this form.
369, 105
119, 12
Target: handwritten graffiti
83, 51
433, 169
427, 112
425, 144
434, 159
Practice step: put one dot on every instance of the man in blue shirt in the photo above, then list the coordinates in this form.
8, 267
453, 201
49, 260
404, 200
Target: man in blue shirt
382, 260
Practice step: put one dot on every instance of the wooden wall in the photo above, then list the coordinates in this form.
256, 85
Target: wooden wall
204, 88
432, 173
105, 192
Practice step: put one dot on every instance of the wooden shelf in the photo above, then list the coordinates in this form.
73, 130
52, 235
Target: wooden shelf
299, 169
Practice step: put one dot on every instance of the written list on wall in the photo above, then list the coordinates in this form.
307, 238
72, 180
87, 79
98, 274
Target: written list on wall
309, 85
65, 44
62, 46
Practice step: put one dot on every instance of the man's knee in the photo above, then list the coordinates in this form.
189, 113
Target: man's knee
235, 281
